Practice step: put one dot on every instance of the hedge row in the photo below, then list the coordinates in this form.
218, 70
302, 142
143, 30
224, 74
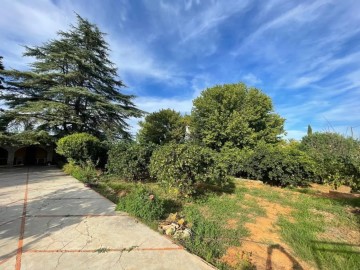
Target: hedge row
320, 157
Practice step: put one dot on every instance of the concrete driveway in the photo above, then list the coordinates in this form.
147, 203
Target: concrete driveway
49, 220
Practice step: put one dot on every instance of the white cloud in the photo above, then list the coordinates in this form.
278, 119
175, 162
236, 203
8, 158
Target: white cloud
251, 79
300, 14
323, 68
38, 20
25, 23
210, 18
190, 3
132, 59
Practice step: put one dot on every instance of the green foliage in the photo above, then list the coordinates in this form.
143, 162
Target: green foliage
234, 159
142, 203
236, 115
130, 160
282, 165
162, 127
79, 147
26, 138
71, 87
85, 171
1, 68
205, 236
186, 166
337, 158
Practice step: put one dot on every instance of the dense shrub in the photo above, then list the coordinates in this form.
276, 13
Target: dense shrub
234, 159
185, 166
281, 165
79, 147
143, 204
85, 171
130, 160
337, 158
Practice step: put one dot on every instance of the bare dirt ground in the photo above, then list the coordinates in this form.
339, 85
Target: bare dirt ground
264, 248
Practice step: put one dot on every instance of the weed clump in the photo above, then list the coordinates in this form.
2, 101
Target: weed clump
142, 203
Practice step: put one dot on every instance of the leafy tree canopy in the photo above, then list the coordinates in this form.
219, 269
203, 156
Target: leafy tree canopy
162, 127
72, 86
26, 138
235, 115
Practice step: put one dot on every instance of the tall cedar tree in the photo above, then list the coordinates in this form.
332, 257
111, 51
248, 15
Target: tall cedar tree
72, 86
3, 121
1, 68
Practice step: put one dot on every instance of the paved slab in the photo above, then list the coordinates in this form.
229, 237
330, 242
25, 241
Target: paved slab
49, 220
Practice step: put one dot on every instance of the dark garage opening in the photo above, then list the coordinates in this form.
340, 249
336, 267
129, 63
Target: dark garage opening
31, 155
3, 156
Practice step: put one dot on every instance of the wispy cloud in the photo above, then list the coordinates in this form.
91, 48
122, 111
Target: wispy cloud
300, 14
24, 23
251, 79
210, 18
305, 55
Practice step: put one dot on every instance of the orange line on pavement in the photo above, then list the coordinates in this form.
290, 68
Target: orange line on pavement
22, 227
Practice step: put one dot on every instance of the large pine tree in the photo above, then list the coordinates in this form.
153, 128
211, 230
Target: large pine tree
72, 86
1, 68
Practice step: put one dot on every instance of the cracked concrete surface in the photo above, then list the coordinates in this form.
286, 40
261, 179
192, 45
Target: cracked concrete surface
69, 226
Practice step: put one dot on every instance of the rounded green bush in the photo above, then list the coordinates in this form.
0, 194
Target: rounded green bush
186, 166
79, 147
281, 165
234, 159
337, 158
130, 160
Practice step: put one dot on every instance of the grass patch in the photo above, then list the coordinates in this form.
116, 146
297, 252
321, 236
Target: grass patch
143, 203
317, 229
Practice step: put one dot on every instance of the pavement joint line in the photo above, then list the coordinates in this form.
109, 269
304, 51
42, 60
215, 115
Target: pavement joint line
97, 250
22, 226
14, 202
9, 221
75, 198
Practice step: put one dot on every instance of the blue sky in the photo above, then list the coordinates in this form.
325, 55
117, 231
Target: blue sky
304, 54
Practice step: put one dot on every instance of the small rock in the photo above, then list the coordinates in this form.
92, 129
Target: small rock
175, 225
170, 231
186, 233
173, 217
